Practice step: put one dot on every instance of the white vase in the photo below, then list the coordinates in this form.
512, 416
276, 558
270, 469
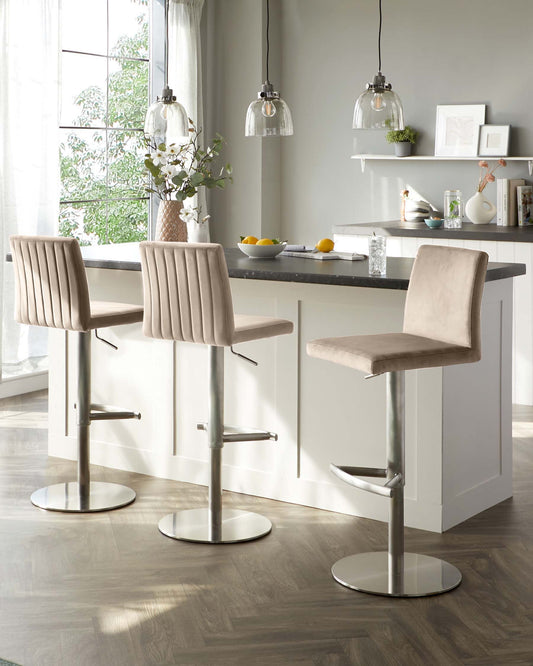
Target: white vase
480, 210
198, 232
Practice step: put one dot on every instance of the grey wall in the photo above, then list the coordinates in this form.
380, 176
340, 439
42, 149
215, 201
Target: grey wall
433, 52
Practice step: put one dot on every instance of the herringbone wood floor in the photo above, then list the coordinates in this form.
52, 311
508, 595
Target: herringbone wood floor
109, 590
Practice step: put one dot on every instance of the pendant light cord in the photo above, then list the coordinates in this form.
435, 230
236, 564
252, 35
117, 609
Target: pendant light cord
268, 39
166, 42
379, 37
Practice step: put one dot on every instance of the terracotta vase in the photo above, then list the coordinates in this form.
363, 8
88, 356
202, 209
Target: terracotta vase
170, 227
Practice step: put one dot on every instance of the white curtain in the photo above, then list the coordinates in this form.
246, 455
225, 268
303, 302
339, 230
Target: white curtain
185, 63
29, 160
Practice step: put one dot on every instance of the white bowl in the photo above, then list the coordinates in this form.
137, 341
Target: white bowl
262, 251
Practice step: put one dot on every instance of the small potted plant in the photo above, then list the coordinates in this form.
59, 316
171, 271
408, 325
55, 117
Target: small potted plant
403, 140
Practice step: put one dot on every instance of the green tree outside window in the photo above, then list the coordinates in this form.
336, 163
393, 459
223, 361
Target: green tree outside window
103, 198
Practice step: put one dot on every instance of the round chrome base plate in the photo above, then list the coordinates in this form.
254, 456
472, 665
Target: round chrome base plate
423, 575
66, 497
194, 525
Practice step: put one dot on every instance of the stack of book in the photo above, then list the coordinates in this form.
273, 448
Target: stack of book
514, 205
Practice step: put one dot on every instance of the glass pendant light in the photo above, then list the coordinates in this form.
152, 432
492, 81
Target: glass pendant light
268, 115
166, 119
379, 107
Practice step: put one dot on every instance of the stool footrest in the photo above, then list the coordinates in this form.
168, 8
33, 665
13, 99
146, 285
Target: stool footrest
108, 412
351, 475
236, 434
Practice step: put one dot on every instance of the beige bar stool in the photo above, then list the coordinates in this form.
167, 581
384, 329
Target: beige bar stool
187, 298
441, 327
52, 291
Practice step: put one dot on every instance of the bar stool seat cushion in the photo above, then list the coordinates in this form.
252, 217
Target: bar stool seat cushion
255, 327
105, 314
389, 352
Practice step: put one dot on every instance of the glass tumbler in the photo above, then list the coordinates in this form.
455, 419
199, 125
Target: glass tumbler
377, 255
453, 209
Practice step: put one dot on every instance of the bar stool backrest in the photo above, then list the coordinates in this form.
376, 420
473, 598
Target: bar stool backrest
444, 295
187, 295
50, 283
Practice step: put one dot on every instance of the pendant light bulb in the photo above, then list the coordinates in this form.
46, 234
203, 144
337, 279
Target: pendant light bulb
377, 102
378, 107
268, 109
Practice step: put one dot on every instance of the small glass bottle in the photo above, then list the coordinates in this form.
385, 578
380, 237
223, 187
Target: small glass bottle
377, 255
453, 209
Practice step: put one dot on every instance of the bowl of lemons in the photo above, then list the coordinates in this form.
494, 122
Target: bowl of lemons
262, 248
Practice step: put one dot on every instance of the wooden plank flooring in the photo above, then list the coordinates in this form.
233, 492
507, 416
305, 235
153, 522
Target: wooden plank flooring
109, 590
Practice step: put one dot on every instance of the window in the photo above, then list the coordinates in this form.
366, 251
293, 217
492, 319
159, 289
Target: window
105, 93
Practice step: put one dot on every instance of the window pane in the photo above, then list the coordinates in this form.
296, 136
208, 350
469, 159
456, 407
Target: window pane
87, 222
83, 164
84, 25
127, 221
126, 173
128, 28
103, 197
128, 93
83, 90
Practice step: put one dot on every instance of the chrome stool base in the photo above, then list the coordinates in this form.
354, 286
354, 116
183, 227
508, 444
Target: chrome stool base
423, 576
196, 525
66, 497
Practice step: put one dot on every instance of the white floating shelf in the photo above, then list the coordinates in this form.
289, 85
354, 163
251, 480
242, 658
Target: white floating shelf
435, 158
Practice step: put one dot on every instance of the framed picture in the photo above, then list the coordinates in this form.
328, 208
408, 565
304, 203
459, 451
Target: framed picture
494, 140
457, 129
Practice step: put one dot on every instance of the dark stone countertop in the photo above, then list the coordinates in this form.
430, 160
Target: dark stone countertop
486, 232
290, 269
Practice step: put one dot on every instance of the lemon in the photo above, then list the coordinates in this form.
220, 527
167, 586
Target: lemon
265, 241
249, 240
325, 245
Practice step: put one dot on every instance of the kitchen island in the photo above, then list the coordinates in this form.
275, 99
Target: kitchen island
458, 419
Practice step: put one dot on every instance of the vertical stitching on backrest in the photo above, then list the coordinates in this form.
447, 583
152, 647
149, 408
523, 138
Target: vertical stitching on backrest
173, 294
51, 296
66, 298
22, 282
186, 308
207, 291
158, 257
38, 293
179, 262
210, 256
200, 294
166, 295
59, 299
30, 281
190, 310
26, 275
